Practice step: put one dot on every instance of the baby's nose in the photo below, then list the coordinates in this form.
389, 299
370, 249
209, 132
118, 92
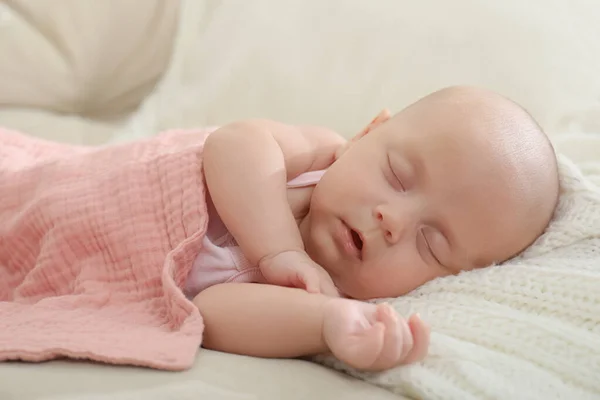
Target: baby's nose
394, 222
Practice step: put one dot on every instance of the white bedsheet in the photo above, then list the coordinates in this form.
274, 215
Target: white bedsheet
215, 376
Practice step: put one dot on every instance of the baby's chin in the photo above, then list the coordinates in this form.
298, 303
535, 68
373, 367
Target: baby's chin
350, 291
360, 291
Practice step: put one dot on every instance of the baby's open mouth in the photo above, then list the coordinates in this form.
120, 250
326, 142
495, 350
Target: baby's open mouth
356, 239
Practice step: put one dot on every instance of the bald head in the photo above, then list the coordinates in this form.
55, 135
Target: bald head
503, 157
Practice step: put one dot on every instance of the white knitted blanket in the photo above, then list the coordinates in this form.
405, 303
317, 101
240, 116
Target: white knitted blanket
528, 329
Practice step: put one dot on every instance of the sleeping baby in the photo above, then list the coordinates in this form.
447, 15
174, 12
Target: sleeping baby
276, 233
461, 179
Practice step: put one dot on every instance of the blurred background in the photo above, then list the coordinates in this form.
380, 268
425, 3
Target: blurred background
88, 71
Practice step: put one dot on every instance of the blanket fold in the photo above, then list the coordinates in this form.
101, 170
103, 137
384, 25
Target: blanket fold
95, 244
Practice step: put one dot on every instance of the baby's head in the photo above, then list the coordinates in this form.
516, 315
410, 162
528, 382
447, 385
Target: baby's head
461, 179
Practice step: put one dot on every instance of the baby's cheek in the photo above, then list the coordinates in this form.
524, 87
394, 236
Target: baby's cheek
397, 279
371, 282
354, 283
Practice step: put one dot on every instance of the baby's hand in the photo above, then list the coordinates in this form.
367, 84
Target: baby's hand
297, 269
373, 337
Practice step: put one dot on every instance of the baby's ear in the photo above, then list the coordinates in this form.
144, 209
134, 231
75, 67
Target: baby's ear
383, 116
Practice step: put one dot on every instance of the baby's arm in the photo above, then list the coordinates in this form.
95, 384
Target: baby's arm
278, 322
262, 320
247, 165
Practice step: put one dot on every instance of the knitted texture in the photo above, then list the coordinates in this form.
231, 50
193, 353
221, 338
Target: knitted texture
527, 329
94, 246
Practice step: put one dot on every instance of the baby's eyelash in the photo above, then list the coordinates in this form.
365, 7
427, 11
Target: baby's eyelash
429, 248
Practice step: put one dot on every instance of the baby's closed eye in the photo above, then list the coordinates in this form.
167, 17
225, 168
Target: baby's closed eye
392, 177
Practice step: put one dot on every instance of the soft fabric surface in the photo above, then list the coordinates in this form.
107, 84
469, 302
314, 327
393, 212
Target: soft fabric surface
190, 390
528, 329
95, 244
212, 372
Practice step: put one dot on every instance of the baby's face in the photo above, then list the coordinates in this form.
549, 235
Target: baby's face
423, 195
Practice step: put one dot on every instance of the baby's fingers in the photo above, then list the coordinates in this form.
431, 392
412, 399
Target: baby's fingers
309, 281
313, 281
328, 288
396, 332
420, 333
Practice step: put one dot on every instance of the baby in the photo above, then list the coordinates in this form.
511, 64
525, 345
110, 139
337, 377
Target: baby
302, 226
462, 179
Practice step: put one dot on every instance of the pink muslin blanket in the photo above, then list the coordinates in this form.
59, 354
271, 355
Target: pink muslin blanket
95, 244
